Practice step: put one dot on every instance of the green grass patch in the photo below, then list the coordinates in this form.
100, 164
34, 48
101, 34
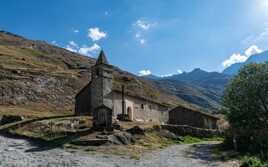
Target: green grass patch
190, 139
253, 161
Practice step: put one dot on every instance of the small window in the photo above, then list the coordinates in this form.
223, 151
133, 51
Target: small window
97, 72
142, 106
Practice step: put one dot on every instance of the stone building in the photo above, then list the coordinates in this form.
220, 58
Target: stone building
185, 116
99, 97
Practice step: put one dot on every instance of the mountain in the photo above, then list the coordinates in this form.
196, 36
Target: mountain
39, 79
258, 58
199, 87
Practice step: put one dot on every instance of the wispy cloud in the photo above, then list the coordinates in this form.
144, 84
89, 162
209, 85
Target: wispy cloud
54, 43
255, 38
143, 24
76, 31
72, 46
171, 74
96, 34
141, 27
106, 13
239, 58
179, 71
84, 50
89, 50
144, 72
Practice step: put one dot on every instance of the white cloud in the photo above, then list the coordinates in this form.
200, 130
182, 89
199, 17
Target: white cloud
76, 31
144, 72
54, 43
171, 74
88, 50
166, 75
239, 58
179, 71
235, 58
144, 25
96, 34
72, 46
252, 50
85, 50
106, 13
137, 35
142, 41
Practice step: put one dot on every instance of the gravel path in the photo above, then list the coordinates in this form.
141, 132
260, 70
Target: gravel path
19, 152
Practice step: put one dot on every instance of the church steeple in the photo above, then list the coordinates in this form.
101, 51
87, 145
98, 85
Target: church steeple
102, 58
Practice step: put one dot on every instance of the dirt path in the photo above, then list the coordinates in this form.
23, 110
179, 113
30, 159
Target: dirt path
19, 152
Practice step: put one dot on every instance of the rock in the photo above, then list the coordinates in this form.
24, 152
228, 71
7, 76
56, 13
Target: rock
116, 125
121, 138
168, 134
5, 119
136, 130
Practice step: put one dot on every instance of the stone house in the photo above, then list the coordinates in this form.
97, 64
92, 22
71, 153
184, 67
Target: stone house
185, 116
100, 93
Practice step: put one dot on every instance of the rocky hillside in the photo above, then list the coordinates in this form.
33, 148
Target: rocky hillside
199, 87
37, 78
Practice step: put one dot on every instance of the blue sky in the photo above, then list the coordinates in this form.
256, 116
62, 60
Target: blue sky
160, 36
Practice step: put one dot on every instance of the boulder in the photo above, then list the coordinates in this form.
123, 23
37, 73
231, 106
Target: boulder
168, 134
136, 130
121, 138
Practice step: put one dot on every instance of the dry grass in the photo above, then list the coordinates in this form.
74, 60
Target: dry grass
29, 111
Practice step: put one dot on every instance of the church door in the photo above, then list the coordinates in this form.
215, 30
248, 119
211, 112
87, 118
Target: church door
130, 113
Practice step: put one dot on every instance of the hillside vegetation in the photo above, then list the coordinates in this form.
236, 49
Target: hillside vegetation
39, 78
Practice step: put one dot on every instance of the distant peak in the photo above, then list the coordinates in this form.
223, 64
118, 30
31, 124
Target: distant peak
198, 70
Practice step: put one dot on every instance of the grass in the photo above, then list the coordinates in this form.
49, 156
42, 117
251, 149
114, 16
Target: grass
190, 139
253, 161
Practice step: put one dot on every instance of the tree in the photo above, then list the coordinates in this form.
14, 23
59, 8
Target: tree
245, 103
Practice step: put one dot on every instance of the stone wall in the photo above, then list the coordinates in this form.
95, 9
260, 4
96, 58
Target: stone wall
142, 110
185, 116
183, 130
82, 102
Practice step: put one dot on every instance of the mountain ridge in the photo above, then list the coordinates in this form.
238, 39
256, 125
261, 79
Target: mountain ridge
36, 76
257, 58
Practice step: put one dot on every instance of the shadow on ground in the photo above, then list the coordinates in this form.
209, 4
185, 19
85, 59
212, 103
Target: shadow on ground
44, 145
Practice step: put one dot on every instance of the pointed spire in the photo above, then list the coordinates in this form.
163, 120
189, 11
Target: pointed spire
102, 58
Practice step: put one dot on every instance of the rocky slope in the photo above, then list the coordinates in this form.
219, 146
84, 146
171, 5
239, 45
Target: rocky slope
199, 87
36, 77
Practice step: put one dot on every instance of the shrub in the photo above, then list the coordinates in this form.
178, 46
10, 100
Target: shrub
252, 162
245, 104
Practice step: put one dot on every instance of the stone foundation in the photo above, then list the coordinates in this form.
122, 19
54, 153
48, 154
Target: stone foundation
183, 130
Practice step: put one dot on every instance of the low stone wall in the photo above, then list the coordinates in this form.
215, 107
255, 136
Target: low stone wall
184, 130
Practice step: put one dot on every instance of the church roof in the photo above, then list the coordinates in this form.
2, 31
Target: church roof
102, 58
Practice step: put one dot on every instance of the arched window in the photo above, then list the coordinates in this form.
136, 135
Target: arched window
142, 106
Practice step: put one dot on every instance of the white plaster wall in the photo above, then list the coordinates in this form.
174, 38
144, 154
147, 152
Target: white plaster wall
151, 111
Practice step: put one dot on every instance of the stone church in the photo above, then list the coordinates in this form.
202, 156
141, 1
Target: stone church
99, 98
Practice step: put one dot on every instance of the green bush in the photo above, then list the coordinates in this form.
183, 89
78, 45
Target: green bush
245, 104
252, 162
